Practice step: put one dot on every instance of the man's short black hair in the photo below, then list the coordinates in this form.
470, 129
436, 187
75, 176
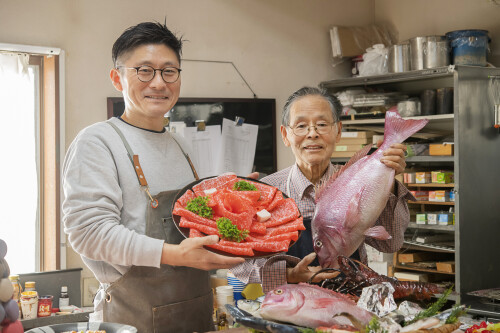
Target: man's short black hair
143, 34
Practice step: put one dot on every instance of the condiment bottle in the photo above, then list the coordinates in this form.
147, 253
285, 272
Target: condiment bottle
14, 279
29, 286
222, 324
63, 297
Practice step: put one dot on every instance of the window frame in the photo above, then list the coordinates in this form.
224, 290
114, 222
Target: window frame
51, 241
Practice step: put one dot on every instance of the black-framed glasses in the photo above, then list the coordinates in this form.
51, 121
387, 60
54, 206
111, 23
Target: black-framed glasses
146, 73
303, 129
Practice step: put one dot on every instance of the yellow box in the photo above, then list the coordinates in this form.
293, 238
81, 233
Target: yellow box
423, 177
444, 149
439, 196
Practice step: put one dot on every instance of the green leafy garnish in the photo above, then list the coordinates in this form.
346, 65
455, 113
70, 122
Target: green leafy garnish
199, 205
244, 186
229, 231
456, 312
374, 326
433, 309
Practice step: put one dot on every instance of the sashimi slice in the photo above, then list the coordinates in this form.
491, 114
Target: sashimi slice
295, 225
281, 246
218, 183
286, 211
251, 196
241, 251
188, 195
194, 233
234, 244
183, 212
278, 197
293, 235
258, 228
267, 193
185, 223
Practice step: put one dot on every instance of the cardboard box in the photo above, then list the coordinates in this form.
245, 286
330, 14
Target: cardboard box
356, 135
423, 177
353, 141
421, 218
444, 149
442, 177
446, 266
353, 41
409, 177
420, 195
377, 138
415, 256
355, 147
432, 218
445, 219
452, 195
439, 196
412, 276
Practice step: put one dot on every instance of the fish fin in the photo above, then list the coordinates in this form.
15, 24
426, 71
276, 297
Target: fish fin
397, 129
352, 215
378, 232
356, 157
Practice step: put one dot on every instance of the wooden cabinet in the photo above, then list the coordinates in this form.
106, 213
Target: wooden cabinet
475, 249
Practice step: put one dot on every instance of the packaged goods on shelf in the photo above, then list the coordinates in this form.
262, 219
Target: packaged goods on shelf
452, 195
442, 149
417, 149
439, 196
423, 177
356, 135
446, 218
412, 276
421, 218
434, 238
446, 266
354, 147
420, 195
409, 177
442, 177
432, 218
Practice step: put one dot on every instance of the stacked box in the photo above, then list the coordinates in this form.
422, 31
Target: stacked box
432, 218
421, 218
423, 177
444, 149
409, 177
445, 219
420, 195
351, 142
442, 177
439, 196
452, 195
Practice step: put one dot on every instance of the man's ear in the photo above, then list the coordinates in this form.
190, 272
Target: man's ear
339, 132
114, 75
284, 134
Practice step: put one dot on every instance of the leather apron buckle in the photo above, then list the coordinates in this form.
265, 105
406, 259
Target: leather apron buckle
108, 297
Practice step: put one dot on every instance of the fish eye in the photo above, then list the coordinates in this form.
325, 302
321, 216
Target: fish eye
318, 243
278, 291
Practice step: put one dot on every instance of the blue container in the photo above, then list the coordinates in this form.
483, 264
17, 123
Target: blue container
237, 296
469, 47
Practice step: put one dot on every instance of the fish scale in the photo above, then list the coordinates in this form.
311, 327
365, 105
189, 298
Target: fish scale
350, 202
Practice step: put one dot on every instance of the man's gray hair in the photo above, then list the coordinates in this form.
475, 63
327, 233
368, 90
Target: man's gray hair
335, 105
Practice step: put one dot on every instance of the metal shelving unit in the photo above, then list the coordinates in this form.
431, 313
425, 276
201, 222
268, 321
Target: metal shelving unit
475, 165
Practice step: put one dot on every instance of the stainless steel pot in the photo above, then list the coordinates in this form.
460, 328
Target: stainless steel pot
436, 51
417, 52
399, 58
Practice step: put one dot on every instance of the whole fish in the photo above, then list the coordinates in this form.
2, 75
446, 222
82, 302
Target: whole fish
349, 203
311, 306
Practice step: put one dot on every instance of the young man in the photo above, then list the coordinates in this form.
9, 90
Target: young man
117, 207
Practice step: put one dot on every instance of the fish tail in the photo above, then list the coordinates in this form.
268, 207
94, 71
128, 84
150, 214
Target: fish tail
398, 129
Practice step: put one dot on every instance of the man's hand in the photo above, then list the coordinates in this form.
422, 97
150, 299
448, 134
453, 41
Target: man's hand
302, 272
394, 157
191, 253
253, 175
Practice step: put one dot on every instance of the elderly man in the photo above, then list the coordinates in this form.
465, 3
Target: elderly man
311, 127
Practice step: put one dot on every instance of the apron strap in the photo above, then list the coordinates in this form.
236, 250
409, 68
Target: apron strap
134, 159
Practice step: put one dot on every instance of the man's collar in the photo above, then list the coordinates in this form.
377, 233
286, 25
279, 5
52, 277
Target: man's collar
303, 183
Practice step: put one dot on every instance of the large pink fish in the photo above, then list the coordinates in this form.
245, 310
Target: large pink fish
311, 306
349, 203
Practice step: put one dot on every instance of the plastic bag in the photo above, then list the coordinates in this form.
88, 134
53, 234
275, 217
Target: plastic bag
374, 61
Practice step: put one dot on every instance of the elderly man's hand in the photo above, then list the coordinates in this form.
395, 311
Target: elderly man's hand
302, 272
253, 175
394, 157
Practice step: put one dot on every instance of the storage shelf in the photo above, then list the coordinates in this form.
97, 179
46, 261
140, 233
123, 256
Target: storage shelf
446, 203
427, 247
426, 270
430, 185
447, 228
365, 121
412, 159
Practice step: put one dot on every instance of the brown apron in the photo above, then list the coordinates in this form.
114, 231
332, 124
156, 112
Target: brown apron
165, 299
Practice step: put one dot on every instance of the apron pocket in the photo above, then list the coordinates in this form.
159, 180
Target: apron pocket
194, 315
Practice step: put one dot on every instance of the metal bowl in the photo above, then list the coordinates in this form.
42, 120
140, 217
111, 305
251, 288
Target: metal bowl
84, 326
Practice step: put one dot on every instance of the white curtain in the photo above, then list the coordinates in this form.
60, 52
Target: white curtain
18, 161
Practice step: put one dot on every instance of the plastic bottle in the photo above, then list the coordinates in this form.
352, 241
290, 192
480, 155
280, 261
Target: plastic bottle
29, 286
63, 297
14, 279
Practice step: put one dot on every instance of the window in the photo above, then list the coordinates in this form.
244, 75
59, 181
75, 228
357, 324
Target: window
31, 148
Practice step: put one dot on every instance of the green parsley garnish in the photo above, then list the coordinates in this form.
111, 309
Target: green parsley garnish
244, 186
374, 326
229, 231
199, 205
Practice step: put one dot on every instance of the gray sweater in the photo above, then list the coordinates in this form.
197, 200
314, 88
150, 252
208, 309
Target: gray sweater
104, 206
